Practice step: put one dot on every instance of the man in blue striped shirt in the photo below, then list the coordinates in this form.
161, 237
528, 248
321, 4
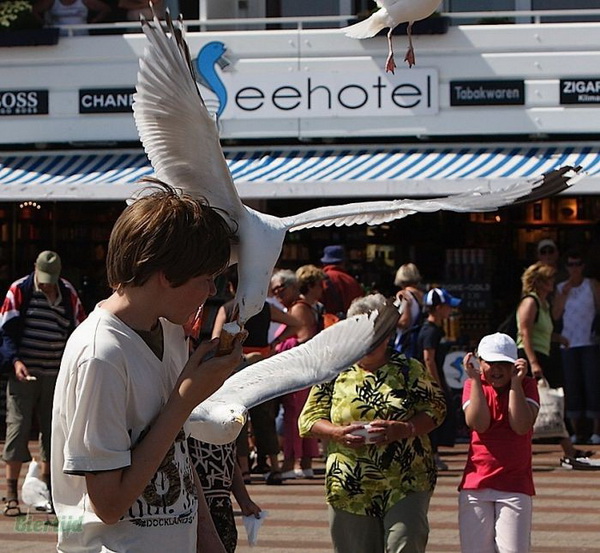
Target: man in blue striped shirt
37, 316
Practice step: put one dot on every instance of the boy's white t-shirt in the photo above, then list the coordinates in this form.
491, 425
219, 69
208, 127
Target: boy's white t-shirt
109, 390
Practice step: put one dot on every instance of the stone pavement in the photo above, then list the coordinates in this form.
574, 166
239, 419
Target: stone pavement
566, 512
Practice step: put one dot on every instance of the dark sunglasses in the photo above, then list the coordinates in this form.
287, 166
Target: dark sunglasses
574, 263
278, 289
547, 250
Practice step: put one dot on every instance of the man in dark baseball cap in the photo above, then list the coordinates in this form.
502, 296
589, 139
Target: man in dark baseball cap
33, 341
47, 267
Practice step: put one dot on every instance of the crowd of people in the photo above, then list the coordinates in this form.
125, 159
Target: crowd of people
120, 457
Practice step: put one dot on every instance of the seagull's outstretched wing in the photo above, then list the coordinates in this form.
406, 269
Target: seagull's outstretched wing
378, 212
318, 360
220, 418
176, 130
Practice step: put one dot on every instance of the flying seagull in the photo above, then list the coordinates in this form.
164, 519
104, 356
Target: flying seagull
389, 15
182, 143
220, 418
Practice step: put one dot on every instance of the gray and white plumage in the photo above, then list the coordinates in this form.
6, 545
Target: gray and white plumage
182, 144
220, 418
35, 492
389, 15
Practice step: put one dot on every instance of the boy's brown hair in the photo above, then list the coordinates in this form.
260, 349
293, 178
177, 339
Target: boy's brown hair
171, 232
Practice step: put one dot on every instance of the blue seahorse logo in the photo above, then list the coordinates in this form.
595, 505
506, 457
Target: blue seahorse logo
210, 55
457, 364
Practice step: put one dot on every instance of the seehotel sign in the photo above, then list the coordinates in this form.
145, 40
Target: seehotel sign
298, 95
328, 94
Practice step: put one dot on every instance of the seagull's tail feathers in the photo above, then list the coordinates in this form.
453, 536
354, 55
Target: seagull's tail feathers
553, 182
367, 28
319, 360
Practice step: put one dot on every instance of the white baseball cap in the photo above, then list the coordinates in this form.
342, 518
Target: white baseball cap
497, 347
546, 243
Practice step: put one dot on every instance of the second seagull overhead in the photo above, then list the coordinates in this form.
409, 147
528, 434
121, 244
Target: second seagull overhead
389, 15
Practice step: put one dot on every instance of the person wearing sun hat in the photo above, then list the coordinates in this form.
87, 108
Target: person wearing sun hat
501, 404
439, 304
33, 341
340, 288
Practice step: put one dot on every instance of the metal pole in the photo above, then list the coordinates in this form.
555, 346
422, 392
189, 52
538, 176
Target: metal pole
202, 13
523, 5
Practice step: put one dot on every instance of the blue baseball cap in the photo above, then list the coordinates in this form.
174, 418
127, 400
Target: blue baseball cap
438, 296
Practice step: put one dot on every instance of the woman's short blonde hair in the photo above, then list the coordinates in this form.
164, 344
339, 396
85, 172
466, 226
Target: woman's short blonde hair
535, 275
407, 275
308, 276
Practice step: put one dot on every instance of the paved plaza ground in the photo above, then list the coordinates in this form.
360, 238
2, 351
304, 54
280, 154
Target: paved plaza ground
566, 512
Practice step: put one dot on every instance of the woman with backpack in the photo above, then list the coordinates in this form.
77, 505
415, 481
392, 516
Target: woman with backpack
534, 318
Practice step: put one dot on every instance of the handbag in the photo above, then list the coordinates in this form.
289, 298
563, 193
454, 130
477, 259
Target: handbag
550, 421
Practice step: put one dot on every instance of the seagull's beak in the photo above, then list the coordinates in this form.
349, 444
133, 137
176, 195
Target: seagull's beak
240, 419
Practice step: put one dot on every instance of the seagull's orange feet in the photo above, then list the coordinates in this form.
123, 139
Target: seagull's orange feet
410, 57
390, 64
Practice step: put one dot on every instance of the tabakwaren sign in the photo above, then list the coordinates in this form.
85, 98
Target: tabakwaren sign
487, 93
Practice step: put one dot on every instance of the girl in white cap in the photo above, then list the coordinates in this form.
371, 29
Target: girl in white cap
501, 404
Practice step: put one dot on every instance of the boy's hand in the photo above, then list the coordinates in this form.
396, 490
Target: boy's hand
200, 378
520, 370
470, 368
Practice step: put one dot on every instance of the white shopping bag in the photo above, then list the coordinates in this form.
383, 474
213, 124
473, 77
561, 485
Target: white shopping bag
252, 525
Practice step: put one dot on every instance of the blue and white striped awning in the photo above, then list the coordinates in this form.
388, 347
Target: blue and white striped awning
369, 171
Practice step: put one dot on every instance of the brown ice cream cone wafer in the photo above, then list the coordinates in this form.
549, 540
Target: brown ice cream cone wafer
227, 337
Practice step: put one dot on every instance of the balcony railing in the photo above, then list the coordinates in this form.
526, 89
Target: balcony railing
536, 17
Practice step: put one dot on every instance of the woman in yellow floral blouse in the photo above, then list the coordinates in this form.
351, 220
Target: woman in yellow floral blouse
379, 478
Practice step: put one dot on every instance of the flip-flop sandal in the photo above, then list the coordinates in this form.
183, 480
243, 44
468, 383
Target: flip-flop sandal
12, 509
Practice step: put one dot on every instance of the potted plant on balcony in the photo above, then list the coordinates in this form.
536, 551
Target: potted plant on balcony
20, 27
